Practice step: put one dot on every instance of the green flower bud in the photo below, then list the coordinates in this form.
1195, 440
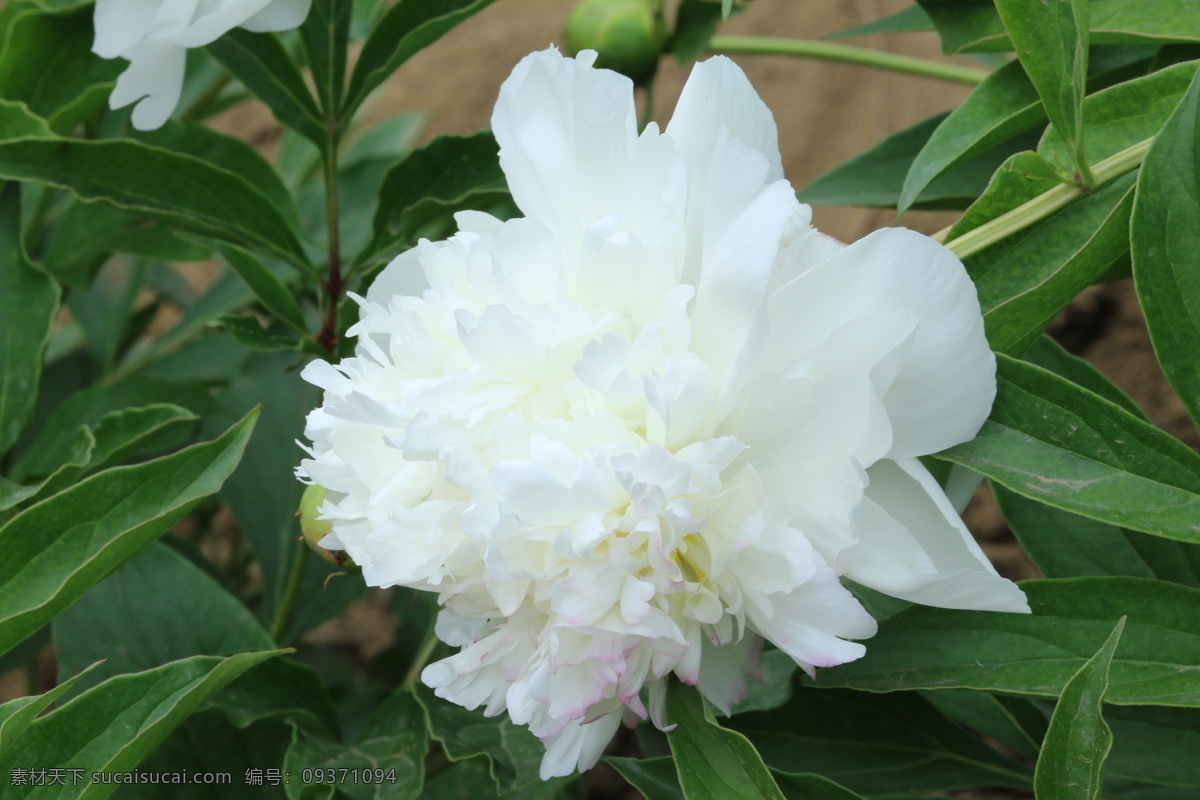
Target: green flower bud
315, 529
627, 34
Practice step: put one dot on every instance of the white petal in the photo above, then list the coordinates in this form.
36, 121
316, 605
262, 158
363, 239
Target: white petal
577, 746
945, 390
279, 15
214, 20
916, 548
121, 25
403, 276
570, 150
718, 95
155, 76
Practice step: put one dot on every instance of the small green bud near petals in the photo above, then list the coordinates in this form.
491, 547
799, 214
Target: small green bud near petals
315, 529
627, 34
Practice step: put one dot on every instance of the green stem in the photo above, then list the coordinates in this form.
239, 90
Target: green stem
1044, 204
828, 51
421, 658
287, 603
196, 111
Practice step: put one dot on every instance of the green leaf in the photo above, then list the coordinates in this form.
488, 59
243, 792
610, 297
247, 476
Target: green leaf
119, 436
1014, 722
1049, 354
394, 742
59, 436
876, 177
1150, 744
227, 152
1025, 280
1065, 545
695, 23
775, 687
910, 20
178, 189
270, 291
262, 63
1004, 105
58, 549
1035, 655
1124, 114
1051, 40
973, 26
1165, 234
514, 753
115, 725
713, 762
47, 63
450, 174
325, 34
1058, 443
18, 122
250, 333
408, 27
263, 493
16, 715
875, 744
655, 778
1078, 739
28, 303
87, 233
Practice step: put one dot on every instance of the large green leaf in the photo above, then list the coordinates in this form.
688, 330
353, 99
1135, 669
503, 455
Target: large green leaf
657, 779
968, 26
1051, 40
16, 715
1013, 721
876, 177
451, 173
1004, 105
1078, 739
1025, 280
514, 754
115, 725
1058, 443
713, 762
179, 189
909, 20
1049, 354
270, 291
1165, 234
325, 34
392, 748
1035, 655
47, 63
408, 27
1154, 744
262, 63
875, 745
1065, 545
58, 549
264, 494
28, 303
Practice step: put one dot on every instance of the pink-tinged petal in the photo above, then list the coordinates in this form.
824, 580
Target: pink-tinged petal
915, 547
944, 391
723, 671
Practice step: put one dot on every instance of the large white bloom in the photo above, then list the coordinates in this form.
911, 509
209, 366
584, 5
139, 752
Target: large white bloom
154, 36
653, 422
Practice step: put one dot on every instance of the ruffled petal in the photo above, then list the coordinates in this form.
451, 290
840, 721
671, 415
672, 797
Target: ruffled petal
916, 548
945, 389
220, 18
121, 24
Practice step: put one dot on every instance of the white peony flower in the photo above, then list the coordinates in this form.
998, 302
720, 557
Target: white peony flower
655, 421
154, 36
